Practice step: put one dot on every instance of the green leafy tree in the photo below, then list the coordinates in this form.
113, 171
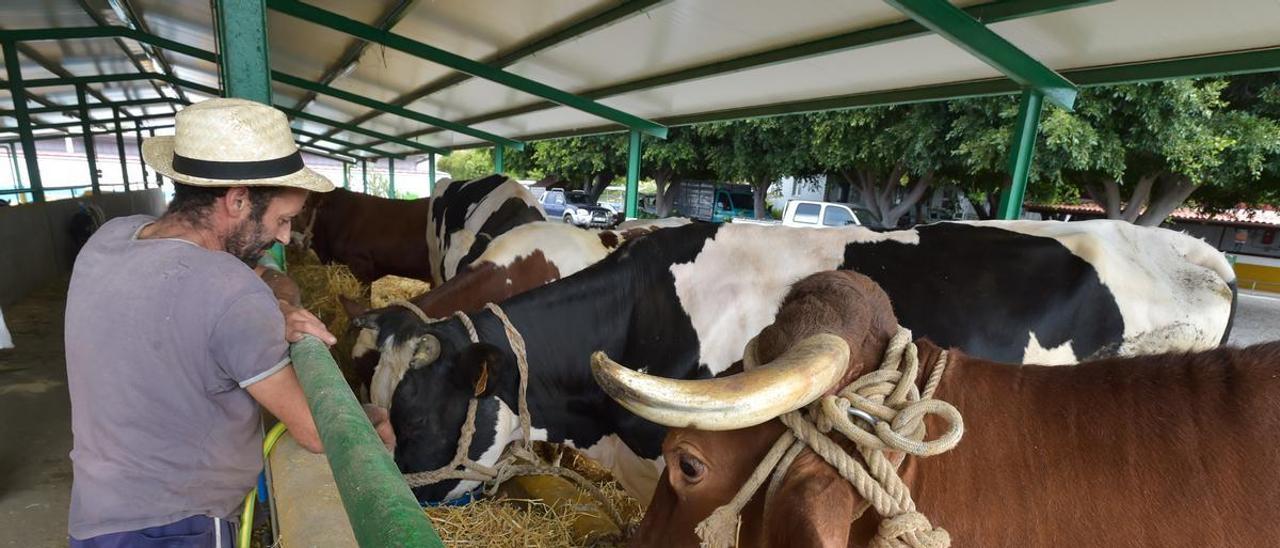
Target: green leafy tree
587, 163
1142, 150
668, 162
467, 164
759, 151
889, 155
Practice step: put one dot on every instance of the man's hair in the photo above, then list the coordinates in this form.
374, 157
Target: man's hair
192, 203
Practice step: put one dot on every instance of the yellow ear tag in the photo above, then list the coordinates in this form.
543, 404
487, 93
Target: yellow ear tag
483, 381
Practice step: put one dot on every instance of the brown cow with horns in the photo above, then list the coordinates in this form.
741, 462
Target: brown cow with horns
1165, 450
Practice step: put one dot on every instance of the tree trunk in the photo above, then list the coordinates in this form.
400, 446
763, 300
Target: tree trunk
760, 189
1139, 198
867, 195
889, 217
1174, 190
666, 195
1111, 196
599, 182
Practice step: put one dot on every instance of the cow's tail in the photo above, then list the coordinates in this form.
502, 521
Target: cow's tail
1231, 319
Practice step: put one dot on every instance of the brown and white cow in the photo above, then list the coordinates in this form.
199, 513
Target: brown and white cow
427, 239
525, 257
373, 236
1162, 450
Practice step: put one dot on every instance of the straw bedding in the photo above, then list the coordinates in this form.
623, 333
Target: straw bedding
487, 522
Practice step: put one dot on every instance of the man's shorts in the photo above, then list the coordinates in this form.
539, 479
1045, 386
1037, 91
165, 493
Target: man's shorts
192, 532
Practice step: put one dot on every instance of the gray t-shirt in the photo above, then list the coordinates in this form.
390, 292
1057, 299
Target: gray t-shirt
162, 337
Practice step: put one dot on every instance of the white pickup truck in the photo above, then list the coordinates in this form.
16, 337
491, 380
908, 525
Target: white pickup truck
811, 214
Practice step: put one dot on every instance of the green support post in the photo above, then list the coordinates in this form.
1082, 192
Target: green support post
159, 178
346, 175
431, 174
89, 150
364, 176
17, 172
391, 178
137, 131
497, 159
379, 505
633, 175
245, 69
961, 29
1021, 152
19, 95
124, 163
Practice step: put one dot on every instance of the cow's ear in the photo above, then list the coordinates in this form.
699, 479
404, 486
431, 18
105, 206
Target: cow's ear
478, 368
352, 307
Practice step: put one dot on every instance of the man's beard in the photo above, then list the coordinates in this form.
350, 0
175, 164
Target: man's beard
248, 241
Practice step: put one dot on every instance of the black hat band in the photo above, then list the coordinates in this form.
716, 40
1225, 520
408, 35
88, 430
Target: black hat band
257, 169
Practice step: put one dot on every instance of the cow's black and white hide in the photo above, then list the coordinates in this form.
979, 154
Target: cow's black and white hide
466, 215
683, 302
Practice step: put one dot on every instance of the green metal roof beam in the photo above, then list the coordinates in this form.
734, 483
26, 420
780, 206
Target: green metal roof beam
350, 145
77, 124
357, 129
504, 59
352, 54
130, 77
327, 153
457, 62
128, 13
993, 12
101, 32
61, 136
99, 106
1225, 64
965, 31
393, 109
72, 33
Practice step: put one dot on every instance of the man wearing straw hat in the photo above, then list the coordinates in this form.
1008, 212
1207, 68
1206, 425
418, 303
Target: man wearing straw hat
172, 341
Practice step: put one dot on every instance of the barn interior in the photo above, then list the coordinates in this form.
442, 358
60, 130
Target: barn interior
403, 82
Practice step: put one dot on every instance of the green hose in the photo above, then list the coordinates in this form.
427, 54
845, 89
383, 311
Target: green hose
246, 517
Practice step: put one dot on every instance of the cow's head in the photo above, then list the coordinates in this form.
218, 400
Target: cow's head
831, 328
382, 348
428, 374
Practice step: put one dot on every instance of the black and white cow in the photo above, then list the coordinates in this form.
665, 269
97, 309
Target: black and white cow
683, 302
466, 215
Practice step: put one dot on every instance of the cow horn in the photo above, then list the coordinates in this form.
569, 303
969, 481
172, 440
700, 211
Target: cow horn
426, 351
795, 379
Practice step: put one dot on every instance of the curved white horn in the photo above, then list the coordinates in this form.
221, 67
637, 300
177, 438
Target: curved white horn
790, 382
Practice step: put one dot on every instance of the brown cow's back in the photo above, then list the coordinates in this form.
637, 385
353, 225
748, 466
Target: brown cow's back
373, 236
1174, 450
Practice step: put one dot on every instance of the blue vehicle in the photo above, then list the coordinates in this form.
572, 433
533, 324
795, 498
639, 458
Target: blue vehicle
714, 202
574, 207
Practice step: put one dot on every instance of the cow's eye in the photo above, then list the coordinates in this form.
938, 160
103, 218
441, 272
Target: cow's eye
691, 468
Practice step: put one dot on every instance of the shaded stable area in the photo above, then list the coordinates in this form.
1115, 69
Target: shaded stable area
454, 75
35, 420
35, 423
38, 242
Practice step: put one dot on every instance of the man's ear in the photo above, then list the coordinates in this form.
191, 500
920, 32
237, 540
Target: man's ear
478, 368
236, 202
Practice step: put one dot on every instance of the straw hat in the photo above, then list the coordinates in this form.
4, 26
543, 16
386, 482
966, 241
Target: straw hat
232, 142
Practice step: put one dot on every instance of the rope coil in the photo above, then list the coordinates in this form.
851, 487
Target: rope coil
516, 460
889, 410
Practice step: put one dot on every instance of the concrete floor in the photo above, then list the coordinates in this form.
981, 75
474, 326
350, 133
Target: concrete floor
35, 424
1257, 318
35, 413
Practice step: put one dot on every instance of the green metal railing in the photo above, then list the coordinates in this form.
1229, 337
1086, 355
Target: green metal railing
382, 510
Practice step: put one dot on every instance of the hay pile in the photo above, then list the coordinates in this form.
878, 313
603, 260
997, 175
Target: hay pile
487, 522
394, 288
523, 523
